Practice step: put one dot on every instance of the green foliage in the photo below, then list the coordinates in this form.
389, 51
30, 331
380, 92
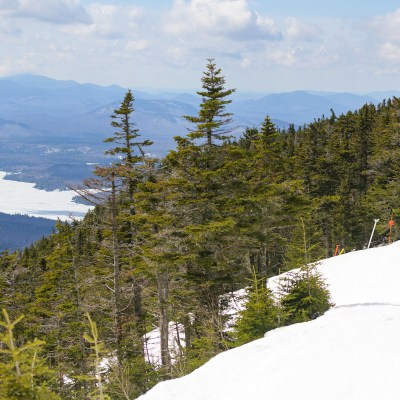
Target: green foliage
23, 372
98, 350
303, 246
169, 237
260, 315
125, 136
212, 121
304, 296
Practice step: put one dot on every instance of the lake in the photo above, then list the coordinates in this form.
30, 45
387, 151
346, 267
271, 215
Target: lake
24, 198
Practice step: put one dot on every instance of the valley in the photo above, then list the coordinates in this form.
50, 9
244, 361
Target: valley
51, 131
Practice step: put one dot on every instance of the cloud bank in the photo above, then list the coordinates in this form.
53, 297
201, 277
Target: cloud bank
228, 18
128, 42
52, 11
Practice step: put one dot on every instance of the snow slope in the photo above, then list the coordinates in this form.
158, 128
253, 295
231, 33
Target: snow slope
351, 353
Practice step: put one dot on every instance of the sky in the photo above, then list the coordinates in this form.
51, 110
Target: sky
261, 45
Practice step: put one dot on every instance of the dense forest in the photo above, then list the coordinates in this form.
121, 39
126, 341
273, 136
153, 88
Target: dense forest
168, 237
18, 231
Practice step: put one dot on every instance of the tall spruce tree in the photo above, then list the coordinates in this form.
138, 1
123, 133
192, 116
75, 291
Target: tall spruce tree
202, 169
125, 136
212, 122
131, 169
128, 147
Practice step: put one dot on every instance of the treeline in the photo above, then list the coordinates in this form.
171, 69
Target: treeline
168, 237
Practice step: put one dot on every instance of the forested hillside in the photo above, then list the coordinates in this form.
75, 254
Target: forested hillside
19, 231
169, 236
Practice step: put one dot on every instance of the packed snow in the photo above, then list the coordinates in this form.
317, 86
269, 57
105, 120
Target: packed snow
352, 352
28, 200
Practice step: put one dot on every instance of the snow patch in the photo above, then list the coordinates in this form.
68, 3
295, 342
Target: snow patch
176, 342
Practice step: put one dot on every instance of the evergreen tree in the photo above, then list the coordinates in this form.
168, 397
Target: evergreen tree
305, 295
260, 315
23, 372
162, 255
125, 136
131, 169
212, 122
205, 174
169, 237
303, 247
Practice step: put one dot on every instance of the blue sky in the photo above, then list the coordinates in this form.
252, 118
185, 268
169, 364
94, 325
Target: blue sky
261, 45
326, 8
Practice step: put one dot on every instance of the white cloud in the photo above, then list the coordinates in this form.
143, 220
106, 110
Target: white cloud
12, 66
386, 34
110, 41
137, 45
53, 11
315, 57
229, 30
109, 21
388, 26
245, 63
284, 58
299, 30
387, 71
8, 29
390, 51
225, 18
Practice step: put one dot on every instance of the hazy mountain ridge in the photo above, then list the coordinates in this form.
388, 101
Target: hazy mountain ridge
39, 112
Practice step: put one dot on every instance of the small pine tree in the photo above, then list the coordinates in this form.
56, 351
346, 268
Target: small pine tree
98, 351
260, 315
303, 247
305, 295
23, 372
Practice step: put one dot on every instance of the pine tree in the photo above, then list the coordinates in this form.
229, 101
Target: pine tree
131, 169
260, 315
162, 255
205, 171
212, 122
303, 247
125, 137
305, 295
23, 372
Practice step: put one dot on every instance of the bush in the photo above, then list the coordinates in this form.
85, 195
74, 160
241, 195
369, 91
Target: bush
23, 372
260, 315
305, 295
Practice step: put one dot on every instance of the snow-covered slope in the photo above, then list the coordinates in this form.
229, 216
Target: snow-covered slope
350, 353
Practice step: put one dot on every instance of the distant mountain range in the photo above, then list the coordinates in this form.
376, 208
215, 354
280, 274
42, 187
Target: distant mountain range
52, 131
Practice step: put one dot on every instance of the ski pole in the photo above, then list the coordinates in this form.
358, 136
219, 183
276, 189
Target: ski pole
372, 233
